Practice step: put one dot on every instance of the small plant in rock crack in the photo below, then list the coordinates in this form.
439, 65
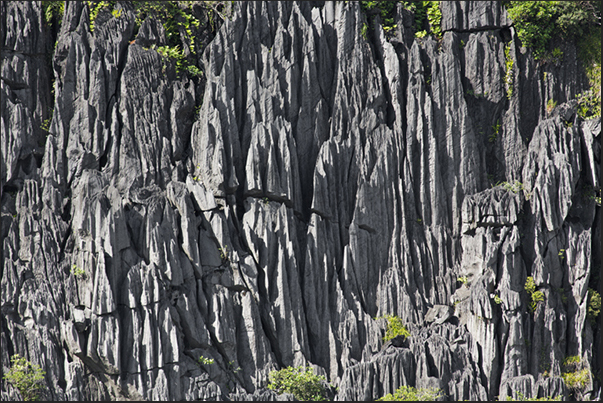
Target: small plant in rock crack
497, 299
395, 327
265, 200
78, 272
223, 252
550, 105
231, 365
495, 131
462, 280
509, 78
561, 254
206, 361
593, 306
535, 296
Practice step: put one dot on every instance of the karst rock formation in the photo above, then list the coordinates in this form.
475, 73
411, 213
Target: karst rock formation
317, 178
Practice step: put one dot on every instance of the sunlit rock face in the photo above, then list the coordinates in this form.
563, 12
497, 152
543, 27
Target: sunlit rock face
321, 174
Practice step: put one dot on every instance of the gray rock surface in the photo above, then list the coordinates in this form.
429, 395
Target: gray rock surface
314, 180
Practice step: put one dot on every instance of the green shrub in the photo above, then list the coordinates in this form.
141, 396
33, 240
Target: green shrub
522, 398
594, 305
53, 12
550, 105
434, 16
206, 361
78, 271
576, 380
94, 7
26, 377
509, 77
535, 296
395, 328
426, 13
387, 11
537, 22
411, 394
301, 382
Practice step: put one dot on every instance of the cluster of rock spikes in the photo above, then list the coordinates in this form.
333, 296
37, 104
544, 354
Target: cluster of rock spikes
174, 238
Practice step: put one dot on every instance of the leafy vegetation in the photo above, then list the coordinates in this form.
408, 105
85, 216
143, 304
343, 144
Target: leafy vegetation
223, 252
594, 305
575, 376
94, 7
550, 105
26, 377
301, 382
411, 394
522, 398
462, 279
387, 11
53, 12
206, 361
509, 77
495, 132
428, 17
78, 271
395, 328
535, 296
538, 23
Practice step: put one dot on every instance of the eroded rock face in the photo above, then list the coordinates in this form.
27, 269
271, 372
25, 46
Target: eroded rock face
327, 179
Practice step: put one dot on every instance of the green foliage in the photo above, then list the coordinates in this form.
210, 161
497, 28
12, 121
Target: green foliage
364, 31
46, 124
411, 394
593, 305
495, 132
512, 187
179, 24
576, 380
571, 361
509, 77
426, 13
94, 7
395, 328
301, 382
550, 105
575, 376
537, 22
535, 296
522, 398
561, 254
26, 377
497, 299
434, 15
589, 52
206, 361
589, 103
78, 272
223, 252
173, 53
387, 11
53, 12
462, 279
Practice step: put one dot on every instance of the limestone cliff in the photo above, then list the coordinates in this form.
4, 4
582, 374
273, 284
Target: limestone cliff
318, 176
